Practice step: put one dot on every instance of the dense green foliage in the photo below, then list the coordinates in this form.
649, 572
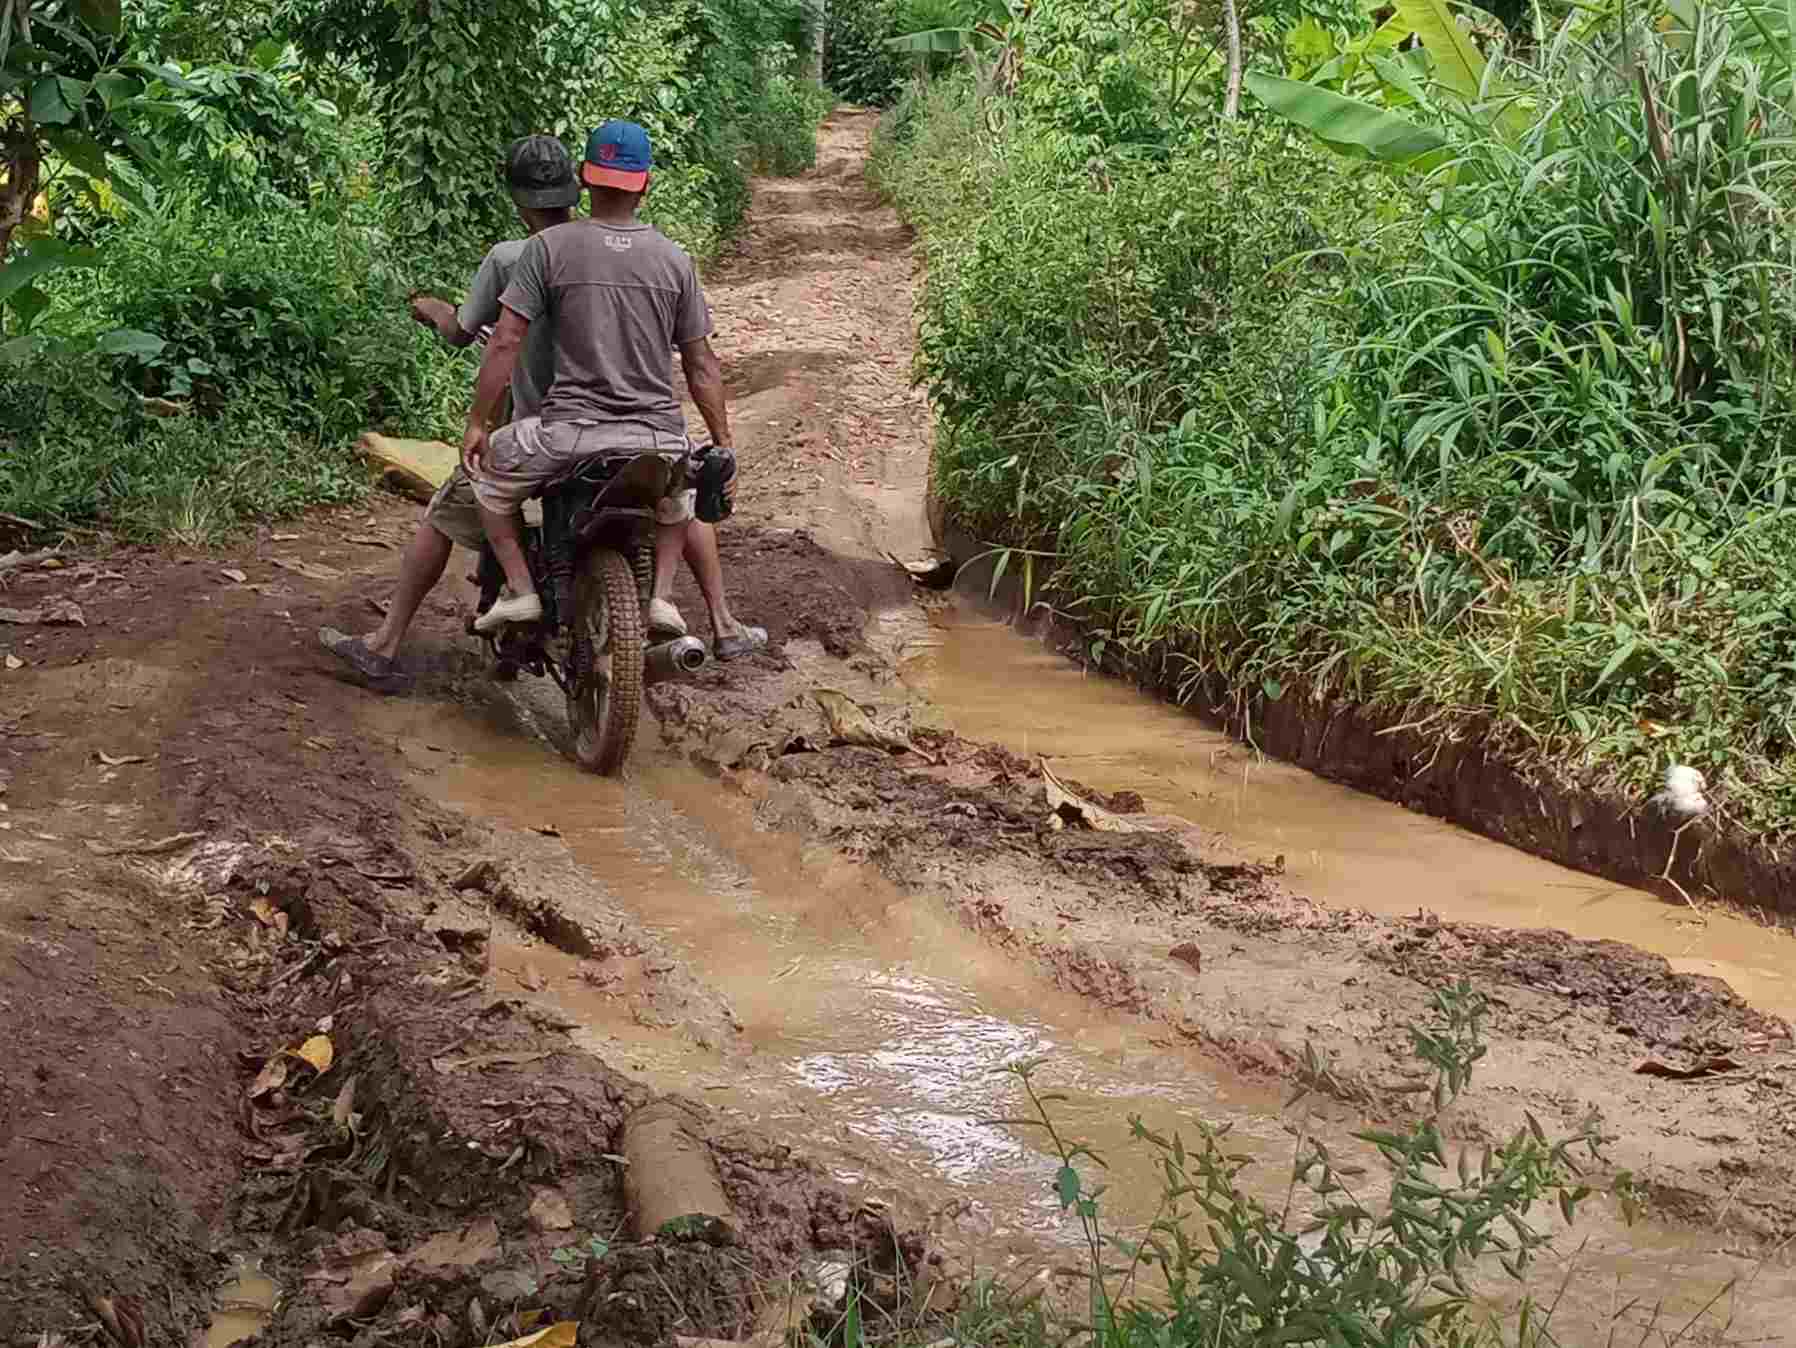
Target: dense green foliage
258, 189
858, 65
1503, 443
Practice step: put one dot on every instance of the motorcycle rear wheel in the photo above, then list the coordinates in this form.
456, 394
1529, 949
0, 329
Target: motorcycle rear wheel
604, 704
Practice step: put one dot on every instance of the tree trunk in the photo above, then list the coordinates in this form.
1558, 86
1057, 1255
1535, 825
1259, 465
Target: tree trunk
817, 20
1231, 16
19, 157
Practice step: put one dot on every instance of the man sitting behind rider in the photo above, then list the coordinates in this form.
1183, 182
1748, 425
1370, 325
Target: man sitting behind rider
539, 173
619, 296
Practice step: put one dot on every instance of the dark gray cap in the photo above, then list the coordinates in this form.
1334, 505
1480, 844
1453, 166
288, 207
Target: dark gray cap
540, 173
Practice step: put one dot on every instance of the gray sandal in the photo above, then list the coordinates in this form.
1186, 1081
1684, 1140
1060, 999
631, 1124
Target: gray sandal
353, 651
745, 640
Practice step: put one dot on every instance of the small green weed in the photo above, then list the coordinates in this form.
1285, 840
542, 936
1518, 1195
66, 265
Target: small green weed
594, 1249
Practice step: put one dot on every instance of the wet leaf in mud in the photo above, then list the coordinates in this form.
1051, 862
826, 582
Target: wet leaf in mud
466, 1248
318, 1052
550, 1211
142, 847
562, 1335
1702, 1067
1069, 808
271, 1078
310, 570
850, 723
448, 1065
51, 613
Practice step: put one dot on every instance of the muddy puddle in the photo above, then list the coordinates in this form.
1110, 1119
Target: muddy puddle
986, 681
245, 1305
876, 1032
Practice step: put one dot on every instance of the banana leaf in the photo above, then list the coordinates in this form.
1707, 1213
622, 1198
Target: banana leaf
1346, 124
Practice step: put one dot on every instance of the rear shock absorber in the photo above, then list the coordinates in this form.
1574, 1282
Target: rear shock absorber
642, 562
558, 554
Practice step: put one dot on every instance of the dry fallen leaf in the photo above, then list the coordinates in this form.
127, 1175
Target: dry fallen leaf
232, 573
344, 1109
118, 762
318, 1052
310, 570
13, 661
562, 1335
271, 1078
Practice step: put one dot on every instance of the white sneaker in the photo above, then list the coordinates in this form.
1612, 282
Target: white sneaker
521, 608
665, 619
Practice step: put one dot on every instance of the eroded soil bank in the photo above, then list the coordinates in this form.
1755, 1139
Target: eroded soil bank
823, 920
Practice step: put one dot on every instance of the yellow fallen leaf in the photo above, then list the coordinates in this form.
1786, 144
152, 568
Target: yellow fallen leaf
560, 1335
318, 1052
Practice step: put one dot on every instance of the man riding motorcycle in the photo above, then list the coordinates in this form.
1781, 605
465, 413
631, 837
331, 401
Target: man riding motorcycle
618, 297
541, 178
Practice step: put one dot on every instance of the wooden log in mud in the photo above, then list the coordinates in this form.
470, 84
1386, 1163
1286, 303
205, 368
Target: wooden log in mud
670, 1181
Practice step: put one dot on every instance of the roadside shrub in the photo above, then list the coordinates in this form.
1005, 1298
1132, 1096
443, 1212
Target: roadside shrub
785, 130
282, 335
1173, 294
303, 304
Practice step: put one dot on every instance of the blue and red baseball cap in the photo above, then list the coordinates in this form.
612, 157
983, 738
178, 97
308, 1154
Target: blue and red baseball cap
618, 155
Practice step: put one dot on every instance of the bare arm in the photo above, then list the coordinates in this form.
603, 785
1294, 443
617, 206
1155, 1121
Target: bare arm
440, 314
704, 376
492, 384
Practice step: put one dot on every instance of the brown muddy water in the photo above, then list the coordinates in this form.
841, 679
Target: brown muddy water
876, 1031
988, 682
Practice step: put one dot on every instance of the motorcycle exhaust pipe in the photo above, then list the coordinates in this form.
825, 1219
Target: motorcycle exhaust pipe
673, 660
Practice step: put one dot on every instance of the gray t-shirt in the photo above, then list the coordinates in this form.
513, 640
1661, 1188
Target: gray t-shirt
536, 362
619, 299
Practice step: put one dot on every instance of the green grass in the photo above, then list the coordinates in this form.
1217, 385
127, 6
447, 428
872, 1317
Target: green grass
1506, 452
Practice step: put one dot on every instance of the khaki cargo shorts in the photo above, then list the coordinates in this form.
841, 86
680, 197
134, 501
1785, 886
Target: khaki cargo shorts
453, 513
524, 457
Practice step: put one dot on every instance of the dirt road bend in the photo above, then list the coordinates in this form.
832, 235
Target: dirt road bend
362, 992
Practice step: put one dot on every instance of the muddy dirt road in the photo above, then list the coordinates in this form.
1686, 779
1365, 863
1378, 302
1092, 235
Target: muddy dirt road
215, 854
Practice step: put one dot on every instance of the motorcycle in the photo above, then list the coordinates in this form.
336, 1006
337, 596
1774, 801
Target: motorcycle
593, 561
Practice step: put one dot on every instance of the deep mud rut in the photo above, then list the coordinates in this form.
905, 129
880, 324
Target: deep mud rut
213, 851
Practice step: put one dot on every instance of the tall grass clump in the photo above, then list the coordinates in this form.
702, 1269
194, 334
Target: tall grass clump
1339, 1256
1503, 449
